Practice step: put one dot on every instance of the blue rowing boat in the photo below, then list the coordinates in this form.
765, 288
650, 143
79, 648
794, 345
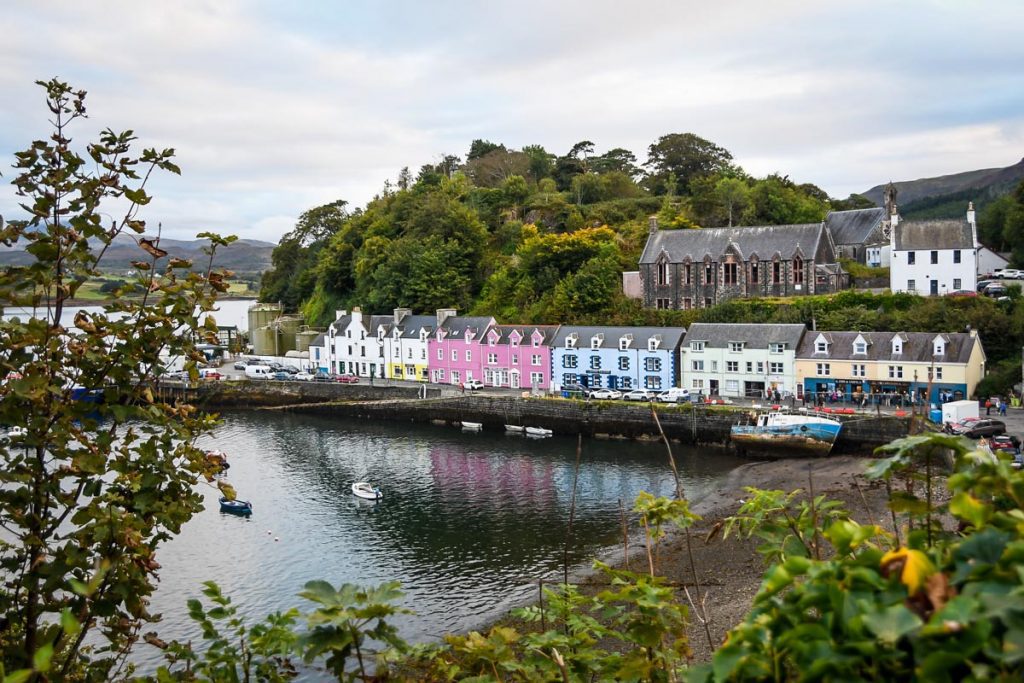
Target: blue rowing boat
236, 507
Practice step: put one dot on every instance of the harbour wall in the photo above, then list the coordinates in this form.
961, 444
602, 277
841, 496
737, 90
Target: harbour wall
685, 423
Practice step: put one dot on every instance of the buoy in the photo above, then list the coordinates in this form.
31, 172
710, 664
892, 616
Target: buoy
276, 539
268, 532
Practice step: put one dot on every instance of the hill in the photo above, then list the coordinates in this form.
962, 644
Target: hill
947, 196
242, 256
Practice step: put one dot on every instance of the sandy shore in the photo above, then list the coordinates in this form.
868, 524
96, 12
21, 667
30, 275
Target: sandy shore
730, 570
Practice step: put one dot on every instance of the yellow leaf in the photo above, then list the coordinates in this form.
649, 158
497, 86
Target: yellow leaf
913, 565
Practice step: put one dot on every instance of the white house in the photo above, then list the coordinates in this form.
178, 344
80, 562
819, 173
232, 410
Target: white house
990, 261
404, 340
934, 257
739, 359
357, 348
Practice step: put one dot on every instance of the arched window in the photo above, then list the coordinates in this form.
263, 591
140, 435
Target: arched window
662, 272
798, 270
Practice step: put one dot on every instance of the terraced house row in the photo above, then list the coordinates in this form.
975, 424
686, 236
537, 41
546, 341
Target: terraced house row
732, 360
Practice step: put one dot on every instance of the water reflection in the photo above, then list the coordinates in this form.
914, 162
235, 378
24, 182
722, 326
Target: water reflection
466, 523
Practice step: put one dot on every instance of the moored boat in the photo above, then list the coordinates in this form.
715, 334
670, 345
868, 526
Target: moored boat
366, 490
514, 429
783, 434
236, 507
472, 426
538, 431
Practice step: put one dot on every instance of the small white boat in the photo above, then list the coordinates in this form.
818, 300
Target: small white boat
17, 432
366, 490
538, 431
472, 426
514, 429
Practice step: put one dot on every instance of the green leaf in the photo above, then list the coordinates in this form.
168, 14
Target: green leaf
892, 623
41, 658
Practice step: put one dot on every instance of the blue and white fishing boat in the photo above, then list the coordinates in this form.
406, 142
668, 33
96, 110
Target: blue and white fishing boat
786, 434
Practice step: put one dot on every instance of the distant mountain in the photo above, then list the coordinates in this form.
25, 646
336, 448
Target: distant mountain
947, 196
242, 256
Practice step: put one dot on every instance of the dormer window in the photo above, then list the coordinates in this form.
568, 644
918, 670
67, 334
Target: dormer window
596, 340
821, 346
654, 342
939, 347
860, 345
625, 341
423, 335
777, 347
736, 347
897, 345
697, 346
570, 341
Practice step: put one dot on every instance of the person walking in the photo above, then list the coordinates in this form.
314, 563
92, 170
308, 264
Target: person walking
1002, 408
988, 406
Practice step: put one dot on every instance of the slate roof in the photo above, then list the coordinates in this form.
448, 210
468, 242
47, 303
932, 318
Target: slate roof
670, 336
937, 234
525, 332
917, 347
765, 241
412, 324
854, 226
457, 325
754, 335
320, 341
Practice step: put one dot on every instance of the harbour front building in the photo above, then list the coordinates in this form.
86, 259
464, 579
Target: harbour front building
518, 356
621, 358
405, 341
889, 366
454, 350
736, 359
700, 268
935, 257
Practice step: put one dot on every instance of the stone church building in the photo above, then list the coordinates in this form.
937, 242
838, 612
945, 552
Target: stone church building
682, 269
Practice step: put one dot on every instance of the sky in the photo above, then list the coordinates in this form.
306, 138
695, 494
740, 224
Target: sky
276, 107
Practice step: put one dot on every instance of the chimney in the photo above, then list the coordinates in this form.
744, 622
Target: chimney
445, 313
401, 314
652, 224
340, 313
970, 212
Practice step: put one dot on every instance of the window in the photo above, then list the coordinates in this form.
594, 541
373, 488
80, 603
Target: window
440, 354
652, 382
750, 367
698, 384
624, 343
662, 303
595, 362
935, 257
858, 370
714, 366
753, 273
455, 354
776, 272
570, 361
775, 368
536, 379
911, 258
698, 366
821, 346
687, 303
732, 366
897, 345
911, 286
652, 364
735, 347
423, 354
860, 347
709, 273
492, 359
469, 355
623, 363
395, 351
596, 340
455, 376
776, 347
492, 339
895, 372
729, 273
569, 378
350, 349
535, 359
956, 284
798, 271
686, 273
662, 273
697, 346
440, 375
938, 372
732, 386
707, 302
956, 257
760, 367
536, 342
625, 382
824, 369
515, 359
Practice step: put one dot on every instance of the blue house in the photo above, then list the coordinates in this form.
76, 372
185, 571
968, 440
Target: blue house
616, 357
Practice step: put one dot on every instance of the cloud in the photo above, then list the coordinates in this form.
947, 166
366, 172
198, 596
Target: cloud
274, 109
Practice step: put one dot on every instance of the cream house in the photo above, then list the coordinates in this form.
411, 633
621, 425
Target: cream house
740, 359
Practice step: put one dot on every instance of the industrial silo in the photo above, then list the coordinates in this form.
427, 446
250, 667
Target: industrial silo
261, 315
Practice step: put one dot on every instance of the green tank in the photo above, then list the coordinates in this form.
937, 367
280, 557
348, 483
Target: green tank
261, 315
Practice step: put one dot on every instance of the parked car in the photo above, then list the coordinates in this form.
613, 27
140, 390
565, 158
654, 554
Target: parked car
210, 374
638, 395
983, 427
606, 394
473, 384
347, 379
241, 364
575, 388
982, 284
281, 376
1005, 441
323, 377
303, 376
963, 292
674, 395
995, 291
960, 425
291, 369
1011, 274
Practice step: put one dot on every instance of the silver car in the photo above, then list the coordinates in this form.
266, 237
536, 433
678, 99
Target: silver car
638, 395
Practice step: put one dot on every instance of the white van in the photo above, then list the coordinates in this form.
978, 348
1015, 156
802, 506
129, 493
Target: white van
674, 395
258, 372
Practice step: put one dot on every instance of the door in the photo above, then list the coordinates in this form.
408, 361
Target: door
713, 387
515, 379
934, 287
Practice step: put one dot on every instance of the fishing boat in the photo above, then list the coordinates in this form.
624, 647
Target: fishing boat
782, 434
236, 507
472, 426
538, 431
366, 490
514, 429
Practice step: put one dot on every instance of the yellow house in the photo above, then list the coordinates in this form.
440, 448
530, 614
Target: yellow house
890, 366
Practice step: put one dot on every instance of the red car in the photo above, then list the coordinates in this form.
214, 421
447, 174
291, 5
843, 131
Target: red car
348, 379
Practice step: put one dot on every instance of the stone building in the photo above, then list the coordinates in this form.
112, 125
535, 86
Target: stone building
684, 269
859, 234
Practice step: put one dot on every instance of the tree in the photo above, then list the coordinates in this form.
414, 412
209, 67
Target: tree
734, 195
687, 156
93, 487
480, 148
541, 161
618, 159
494, 167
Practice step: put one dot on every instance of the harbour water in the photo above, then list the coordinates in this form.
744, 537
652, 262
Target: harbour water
469, 521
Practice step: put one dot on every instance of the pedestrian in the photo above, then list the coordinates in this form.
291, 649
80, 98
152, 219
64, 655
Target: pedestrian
988, 406
1002, 408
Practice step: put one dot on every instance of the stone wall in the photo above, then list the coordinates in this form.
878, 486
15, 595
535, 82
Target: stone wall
266, 393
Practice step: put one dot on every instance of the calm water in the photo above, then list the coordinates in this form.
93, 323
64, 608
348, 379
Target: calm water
468, 524
231, 312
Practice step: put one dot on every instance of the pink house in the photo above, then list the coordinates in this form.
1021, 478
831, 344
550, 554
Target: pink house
454, 350
518, 356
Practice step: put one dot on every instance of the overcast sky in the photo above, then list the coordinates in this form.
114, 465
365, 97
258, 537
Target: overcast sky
274, 109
